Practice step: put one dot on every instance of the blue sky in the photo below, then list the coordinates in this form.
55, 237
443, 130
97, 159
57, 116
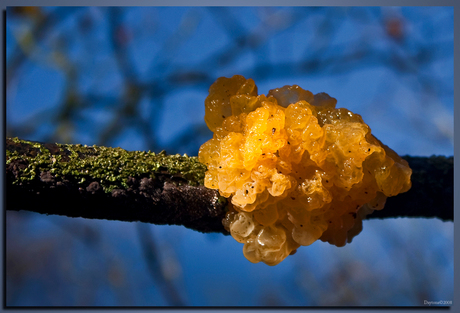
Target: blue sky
403, 88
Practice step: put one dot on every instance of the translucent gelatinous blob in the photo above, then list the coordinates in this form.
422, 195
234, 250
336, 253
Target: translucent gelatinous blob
296, 168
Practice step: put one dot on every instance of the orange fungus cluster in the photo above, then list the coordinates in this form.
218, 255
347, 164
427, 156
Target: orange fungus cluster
296, 168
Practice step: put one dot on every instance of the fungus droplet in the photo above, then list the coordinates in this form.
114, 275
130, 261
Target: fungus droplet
315, 171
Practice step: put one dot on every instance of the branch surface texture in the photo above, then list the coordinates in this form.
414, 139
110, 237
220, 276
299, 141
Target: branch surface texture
115, 184
112, 184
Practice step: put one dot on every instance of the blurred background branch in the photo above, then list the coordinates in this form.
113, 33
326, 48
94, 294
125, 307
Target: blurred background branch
106, 70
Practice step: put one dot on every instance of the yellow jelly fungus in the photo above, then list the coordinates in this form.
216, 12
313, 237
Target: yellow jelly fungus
296, 168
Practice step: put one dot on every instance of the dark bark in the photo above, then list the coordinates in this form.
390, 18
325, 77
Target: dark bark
146, 200
163, 197
160, 197
431, 194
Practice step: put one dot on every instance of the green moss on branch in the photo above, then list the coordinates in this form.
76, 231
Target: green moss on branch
111, 183
111, 167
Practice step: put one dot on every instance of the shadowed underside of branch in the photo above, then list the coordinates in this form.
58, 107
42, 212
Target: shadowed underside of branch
114, 184
431, 194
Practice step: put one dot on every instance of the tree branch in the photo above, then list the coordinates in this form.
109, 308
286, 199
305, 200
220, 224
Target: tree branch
115, 184
431, 194
112, 184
